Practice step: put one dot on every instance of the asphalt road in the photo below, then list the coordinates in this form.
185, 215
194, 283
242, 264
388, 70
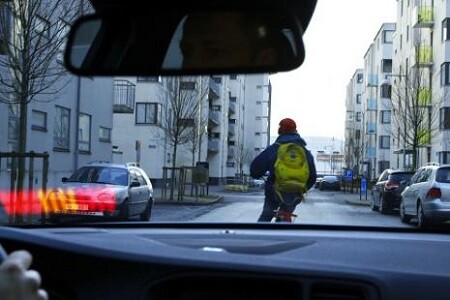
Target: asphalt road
320, 207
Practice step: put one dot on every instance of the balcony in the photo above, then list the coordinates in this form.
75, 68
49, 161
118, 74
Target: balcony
231, 151
214, 90
424, 96
424, 56
372, 80
232, 129
214, 117
423, 16
232, 107
124, 96
213, 145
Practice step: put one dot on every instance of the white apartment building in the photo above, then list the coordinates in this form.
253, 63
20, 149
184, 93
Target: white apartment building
71, 120
422, 63
142, 107
328, 154
353, 125
376, 103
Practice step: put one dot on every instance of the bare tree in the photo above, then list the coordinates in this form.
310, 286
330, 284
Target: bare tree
32, 38
184, 103
414, 113
242, 157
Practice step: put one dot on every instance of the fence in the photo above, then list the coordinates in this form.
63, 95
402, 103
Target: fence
21, 203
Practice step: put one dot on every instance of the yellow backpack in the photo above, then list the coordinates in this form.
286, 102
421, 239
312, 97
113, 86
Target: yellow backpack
291, 169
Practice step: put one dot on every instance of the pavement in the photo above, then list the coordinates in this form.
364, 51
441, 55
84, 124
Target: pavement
215, 194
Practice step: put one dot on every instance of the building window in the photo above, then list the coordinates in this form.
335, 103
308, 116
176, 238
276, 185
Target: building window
215, 107
217, 80
258, 118
231, 143
257, 133
386, 91
148, 113
358, 98
401, 41
39, 119
61, 129
42, 26
385, 141
357, 134
388, 36
258, 102
188, 85
444, 118
358, 116
84, 133
444, 157
233, 99
407, 33
445, 35
386, 65
383, 165
359, 78
232, 121
445, 73
385, 117
104, 134
148, 79
233, 76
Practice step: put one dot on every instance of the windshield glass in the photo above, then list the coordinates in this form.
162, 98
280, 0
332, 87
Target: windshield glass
226, 148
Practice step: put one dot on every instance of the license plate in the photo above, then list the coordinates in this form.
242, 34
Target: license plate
75, 206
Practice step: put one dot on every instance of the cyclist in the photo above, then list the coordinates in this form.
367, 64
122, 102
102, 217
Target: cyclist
265, 161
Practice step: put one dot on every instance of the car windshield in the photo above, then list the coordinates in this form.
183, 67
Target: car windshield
103, 175
399, 177
207, 148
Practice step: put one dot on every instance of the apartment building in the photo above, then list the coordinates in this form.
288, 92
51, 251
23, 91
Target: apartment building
353, 123
422, 67
376, 103
216, 132
69, 117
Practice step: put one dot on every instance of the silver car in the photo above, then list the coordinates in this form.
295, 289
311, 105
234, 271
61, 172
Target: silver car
106, 190
427, 196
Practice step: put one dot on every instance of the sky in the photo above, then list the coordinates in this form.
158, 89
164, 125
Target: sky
336, 41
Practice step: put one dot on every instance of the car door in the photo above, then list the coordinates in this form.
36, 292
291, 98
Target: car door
377, 189
137, 193
144, 192
410, 191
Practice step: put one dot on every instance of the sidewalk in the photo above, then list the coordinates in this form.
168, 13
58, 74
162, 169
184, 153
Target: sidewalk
356, 198
206, 199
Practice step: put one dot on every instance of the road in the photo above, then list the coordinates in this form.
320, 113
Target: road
320, 207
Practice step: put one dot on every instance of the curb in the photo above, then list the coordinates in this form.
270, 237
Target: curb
358, 202
189, 201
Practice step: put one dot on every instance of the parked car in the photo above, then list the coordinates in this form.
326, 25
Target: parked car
318, 181
330, 182
386, 192
104, 190
427, 197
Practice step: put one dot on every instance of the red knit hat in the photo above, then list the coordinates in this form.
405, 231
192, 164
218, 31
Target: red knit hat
287, 125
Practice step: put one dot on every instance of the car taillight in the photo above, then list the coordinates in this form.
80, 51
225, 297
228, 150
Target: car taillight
434, 193
390, 185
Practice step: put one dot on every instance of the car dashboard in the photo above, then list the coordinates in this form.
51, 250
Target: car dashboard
240, 261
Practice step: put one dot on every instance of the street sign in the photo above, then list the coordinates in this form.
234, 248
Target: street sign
348, 175
363, 185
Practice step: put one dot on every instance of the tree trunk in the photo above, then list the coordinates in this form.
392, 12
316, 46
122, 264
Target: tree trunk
22, 146
174, 161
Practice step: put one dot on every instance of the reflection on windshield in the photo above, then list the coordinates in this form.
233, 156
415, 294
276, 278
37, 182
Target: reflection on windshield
101, 175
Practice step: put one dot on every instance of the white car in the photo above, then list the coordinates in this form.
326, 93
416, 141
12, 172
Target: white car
104, 190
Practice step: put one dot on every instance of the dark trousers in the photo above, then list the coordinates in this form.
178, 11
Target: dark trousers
271, 204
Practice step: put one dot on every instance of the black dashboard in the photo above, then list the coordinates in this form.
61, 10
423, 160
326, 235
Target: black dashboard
169, 261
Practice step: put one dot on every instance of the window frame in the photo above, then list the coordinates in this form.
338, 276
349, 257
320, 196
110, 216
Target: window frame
81, 141
383, 140
157, 115
58, 119
39, 127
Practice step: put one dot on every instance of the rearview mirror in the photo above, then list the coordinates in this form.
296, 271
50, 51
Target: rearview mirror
135, 184
176, 43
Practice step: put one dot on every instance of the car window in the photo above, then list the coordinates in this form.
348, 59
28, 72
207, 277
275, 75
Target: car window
140, 177
384, 176
399, 177
443, 175
424, 175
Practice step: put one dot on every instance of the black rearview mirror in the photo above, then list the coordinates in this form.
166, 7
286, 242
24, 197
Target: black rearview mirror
199, 42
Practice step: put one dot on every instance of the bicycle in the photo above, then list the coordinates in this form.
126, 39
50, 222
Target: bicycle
282, 216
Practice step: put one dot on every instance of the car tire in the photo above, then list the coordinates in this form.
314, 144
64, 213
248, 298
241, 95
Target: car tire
421, 219
404, 217
147, 213
384, 208
125, 211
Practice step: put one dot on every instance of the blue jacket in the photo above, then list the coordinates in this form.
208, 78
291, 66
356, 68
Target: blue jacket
265, 161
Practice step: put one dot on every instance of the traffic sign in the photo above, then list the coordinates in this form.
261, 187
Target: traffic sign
363, 185
348, 175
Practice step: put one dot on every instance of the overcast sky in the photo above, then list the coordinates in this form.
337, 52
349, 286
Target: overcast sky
336, 40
